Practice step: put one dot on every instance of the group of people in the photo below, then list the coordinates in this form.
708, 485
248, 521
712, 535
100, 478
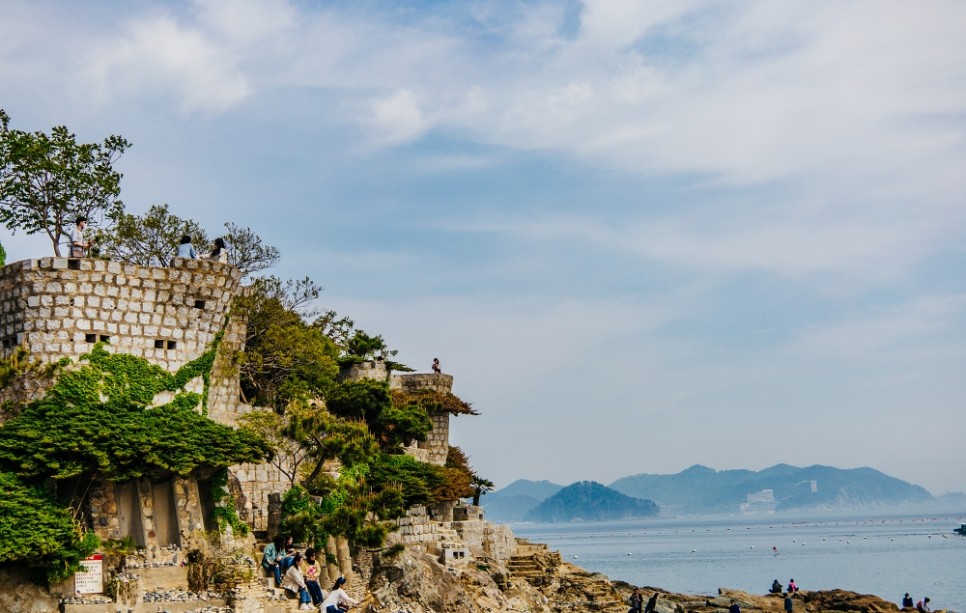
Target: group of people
301, 574
922, 606
79, 245
218, 254
786, 593
637, 601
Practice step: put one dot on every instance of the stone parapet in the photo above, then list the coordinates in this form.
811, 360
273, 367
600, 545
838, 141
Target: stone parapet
60, 307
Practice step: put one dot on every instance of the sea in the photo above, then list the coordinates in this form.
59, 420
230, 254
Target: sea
886, 555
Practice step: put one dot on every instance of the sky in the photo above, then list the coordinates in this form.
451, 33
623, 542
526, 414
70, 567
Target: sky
640, 235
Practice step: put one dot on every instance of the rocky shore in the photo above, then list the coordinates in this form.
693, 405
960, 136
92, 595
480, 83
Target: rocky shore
416, 583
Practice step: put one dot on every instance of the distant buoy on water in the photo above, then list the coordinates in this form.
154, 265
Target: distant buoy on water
752, 546
575, 557
628, 553
892, 539
693, 550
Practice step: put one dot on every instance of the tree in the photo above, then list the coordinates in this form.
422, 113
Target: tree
370, 401
151, 239
46, 182
480, 487
247, 251
285, 359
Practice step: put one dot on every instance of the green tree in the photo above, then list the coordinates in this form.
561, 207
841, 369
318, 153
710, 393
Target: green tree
47, 181
370, 401
480, 487
151, 239
39, 533
285, 359
246, 250
3, 256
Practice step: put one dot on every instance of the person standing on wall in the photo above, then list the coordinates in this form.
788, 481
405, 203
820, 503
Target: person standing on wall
79, 246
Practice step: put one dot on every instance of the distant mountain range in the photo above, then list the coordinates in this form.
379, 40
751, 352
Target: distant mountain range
701, 490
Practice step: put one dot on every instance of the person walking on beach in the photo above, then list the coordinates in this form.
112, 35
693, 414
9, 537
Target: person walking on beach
788, 602
651, 603
637, 601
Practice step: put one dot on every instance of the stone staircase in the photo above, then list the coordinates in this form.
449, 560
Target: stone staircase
575, 588
534, 563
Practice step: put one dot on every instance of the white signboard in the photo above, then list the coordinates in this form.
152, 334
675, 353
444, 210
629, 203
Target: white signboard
90, 578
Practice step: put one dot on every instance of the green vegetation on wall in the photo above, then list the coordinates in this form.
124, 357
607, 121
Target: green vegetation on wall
38, 532
96, 421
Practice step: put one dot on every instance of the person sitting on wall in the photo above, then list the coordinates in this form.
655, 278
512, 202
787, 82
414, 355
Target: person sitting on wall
186, 249
334, 602
295, 582
220, 252
273, 554
436, 369
311, 571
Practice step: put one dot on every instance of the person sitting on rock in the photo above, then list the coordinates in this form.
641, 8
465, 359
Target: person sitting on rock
923, 606
792, 588
907, 601
272, 555
651, 603
776, 587
336, 598
295, 582
311, 571
734, 608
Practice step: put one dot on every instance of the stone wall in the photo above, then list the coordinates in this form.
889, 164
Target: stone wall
59, 307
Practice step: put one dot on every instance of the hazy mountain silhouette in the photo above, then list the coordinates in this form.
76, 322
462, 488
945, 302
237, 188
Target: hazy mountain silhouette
590, 501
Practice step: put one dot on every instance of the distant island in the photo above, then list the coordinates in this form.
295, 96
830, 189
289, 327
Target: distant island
590, 501
700, 490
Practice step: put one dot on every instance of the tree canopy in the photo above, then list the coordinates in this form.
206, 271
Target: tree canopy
47, 181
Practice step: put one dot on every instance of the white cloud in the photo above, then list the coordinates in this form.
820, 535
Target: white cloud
395, 119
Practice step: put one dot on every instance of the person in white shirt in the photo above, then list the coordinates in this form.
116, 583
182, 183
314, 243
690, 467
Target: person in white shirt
295, 582
78, 246
336, 597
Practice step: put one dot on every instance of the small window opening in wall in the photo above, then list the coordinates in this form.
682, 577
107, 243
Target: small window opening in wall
105, 338
159, 344
73, 264
199, 304
6, 343
90, 338
172, 344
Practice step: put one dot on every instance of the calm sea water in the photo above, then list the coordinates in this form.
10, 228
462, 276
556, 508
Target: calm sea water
884, 555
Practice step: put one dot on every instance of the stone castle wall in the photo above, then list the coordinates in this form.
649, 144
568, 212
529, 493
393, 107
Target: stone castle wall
59, 307
436, 446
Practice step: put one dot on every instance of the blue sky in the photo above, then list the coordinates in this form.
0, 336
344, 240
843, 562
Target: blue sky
640, 235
